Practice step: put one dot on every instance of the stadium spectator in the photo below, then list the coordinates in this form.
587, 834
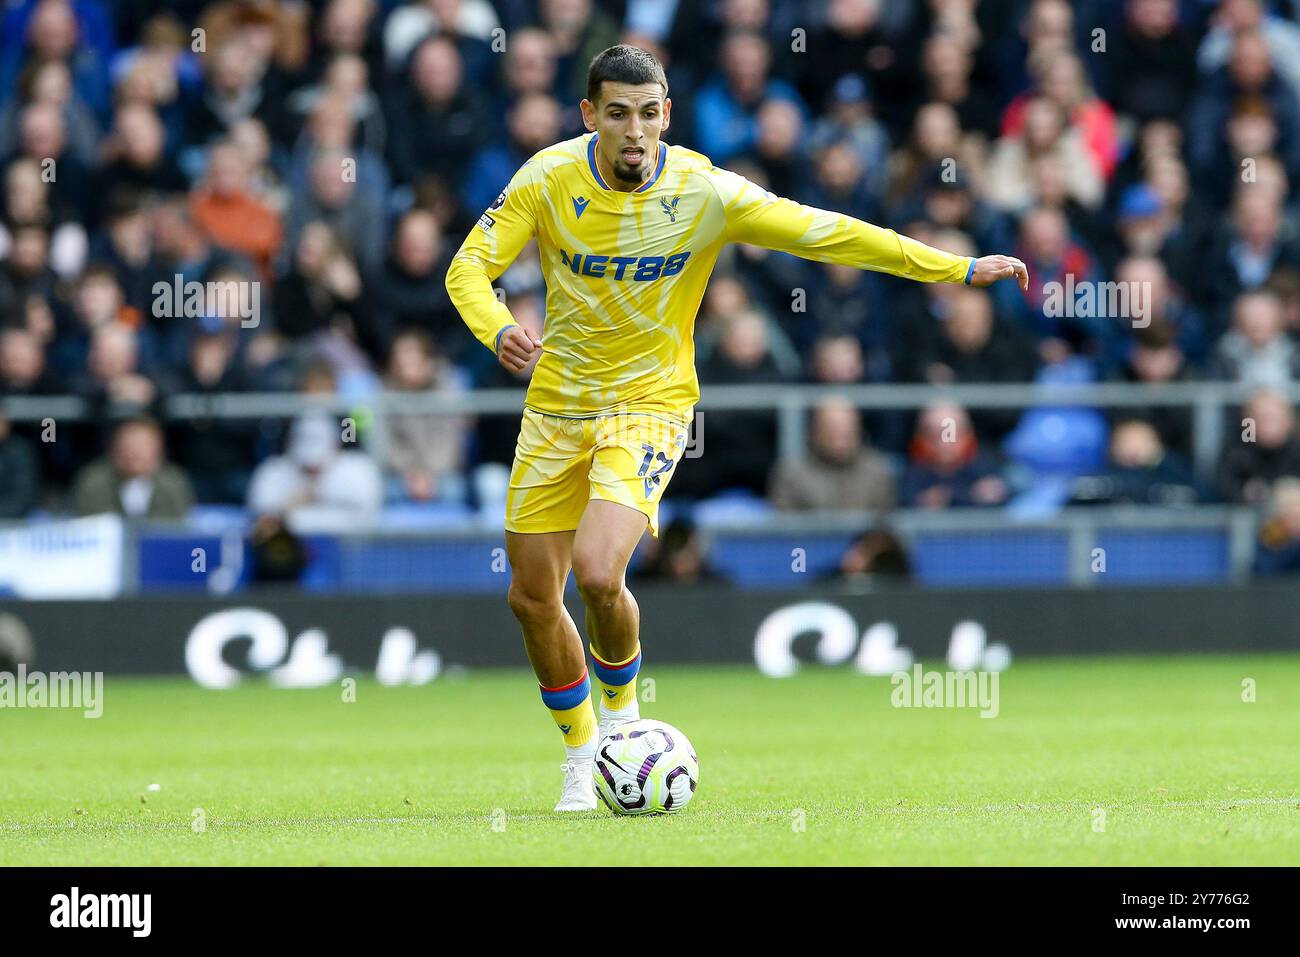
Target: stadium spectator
54, 31
530, 64
322, 293
410, 293
134, 479
1154, 357
838, 178
779, 147
333, 196
727, 107
278, 556
838, 358
424, 453
1151, 71
875, 556
579, 30
1265, 450
946, 467
849, 119
533, 123
43, 139
739, 446
949, 67
50, 83
844, 301
1139, 472
1188, 222
161, 72
23, 370
1061, 80
1142, 220
351, 28
857, 34
1041, 135
1246, 255
315, 486
332, 128
19, 472
1285, 284
1162, 304
679, 557
217, 452
344, 96
1256, 351
950, 203
27, 283
99, 301
237, 84
839, 471
113, 382
1237, 17
125, 244
1248, 81
975, 346
263, 161
27, 202
935, 147
225, 208
180, 247
1047, 29
1278, 550
1058, 264
433, 131
471, 24
135, 157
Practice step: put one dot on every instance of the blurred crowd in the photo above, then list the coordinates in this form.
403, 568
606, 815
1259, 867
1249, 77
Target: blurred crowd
1154, 142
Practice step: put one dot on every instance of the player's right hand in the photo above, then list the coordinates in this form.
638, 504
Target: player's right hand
517, 348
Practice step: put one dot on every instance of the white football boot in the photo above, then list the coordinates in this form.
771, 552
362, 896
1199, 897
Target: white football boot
611, 719
579, 792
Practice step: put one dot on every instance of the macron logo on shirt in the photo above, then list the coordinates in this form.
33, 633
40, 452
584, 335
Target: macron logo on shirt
580, 205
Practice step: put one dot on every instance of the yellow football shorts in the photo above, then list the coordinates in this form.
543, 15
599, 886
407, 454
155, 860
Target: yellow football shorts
562, 463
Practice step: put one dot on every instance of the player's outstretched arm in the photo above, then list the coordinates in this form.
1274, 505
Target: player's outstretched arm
989, 269
756, 216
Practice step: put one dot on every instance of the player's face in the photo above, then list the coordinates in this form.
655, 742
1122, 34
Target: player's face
630, 119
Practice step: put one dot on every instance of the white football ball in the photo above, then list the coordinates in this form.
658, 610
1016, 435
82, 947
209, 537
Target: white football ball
646, 767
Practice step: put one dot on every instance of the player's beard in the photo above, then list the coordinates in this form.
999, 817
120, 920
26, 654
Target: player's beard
628, 174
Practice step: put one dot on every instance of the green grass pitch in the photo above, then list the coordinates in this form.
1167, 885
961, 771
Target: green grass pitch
1090, 761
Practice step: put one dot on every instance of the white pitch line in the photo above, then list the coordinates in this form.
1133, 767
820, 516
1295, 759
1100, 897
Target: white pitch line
1069, 805
487, 818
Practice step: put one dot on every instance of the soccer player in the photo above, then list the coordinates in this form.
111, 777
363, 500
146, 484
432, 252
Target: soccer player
628, 228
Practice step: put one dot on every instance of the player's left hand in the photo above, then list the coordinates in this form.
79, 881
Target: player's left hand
989, 269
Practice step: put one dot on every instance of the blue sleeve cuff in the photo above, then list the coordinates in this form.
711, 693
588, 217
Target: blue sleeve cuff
496, 343
970, 271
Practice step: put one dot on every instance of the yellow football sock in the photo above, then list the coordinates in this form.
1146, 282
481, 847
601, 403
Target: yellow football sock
618, 679
570, 706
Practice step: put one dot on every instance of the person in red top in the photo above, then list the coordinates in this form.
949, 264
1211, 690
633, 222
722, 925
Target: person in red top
1060, 77
230, 215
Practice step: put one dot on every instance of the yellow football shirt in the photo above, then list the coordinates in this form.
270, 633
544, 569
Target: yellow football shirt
625, 271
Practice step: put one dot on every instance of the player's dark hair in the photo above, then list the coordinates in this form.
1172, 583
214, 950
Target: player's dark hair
624, 64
